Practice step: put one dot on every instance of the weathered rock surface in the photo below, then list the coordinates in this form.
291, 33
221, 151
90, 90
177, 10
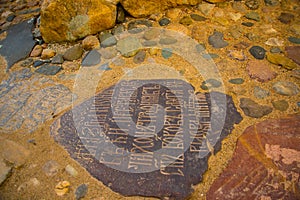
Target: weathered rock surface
71, 20
137, 8
265, 164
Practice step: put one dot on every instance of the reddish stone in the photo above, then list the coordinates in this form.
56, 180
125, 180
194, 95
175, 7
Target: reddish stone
265, 164
260, 70
293, 52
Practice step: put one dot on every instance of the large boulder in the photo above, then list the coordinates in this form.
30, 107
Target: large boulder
69, 20
143, 8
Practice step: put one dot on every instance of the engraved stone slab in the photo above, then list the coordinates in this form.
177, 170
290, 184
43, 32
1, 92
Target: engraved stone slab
265, 165
147, 137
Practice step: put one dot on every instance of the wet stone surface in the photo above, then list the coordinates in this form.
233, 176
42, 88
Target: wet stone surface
147, 139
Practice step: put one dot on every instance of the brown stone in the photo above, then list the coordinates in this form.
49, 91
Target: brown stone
48, 53
37, 51
293, 52
136, 8
260, 70
70, 66
90, 42
13, 152
265, 164
70, 20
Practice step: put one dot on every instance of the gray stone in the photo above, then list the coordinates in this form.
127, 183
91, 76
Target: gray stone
73, 53
253, 16
129, 46
260, 93
18, 43
294, 40
258, 52
197, 17
139, 57
57, 59
164, 21
92, 58
275, 50
216, 40
286, 88
81, 191
107, 40
237, 81
47, 69
253, 109
248, 24
281, 105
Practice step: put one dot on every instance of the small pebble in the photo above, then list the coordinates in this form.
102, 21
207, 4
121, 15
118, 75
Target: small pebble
187, 20
286, 88
107, 40
281, 105
217, 40
294, 40
253, 16
260, 93
253, 109
91, 59
71, 170
139, 57
248, 24
164, 21
57, 59
258, 52
73, 53
286, 18
81, 191
166, 53
275, 50
237, 81
197, 17
90, 42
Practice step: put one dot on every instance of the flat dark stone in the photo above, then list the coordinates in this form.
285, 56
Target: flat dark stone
91, 59
147, 143
258, 52
265, 164
47, 69
18, 43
